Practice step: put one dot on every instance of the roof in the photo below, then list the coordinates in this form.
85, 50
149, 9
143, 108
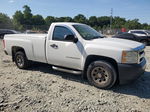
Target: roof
65, 23
138, 30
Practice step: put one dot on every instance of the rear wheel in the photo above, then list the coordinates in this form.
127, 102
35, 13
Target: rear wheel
101, 74
21, 60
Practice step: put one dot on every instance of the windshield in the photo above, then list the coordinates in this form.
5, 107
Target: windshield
87, 32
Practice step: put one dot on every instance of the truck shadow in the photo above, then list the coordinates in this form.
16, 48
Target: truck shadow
45, 68
139, 88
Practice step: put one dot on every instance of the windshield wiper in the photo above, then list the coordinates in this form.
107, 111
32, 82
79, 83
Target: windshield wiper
97, 37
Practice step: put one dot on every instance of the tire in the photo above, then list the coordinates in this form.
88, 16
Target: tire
101, 74
21, 60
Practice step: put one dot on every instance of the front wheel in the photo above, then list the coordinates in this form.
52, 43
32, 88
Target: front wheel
21, 60
101, 74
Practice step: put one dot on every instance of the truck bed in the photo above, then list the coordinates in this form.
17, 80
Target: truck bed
33, 44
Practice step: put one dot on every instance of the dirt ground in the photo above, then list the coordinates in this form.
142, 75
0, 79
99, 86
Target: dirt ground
41, 89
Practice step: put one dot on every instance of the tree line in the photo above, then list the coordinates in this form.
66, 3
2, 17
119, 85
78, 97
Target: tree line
23, 20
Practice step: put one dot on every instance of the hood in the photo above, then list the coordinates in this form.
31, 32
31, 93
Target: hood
122, 44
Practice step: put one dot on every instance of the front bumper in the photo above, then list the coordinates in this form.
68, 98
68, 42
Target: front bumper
130, 72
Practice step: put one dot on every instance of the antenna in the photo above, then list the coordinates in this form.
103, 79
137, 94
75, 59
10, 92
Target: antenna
111, 17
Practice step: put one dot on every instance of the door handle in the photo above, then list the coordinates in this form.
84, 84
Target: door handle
54, 46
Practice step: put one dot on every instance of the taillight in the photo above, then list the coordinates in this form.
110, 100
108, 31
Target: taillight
3, 43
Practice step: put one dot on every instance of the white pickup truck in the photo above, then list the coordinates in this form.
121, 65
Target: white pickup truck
77, 48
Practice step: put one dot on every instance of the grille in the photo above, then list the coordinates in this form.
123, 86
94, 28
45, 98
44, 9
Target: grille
141, 55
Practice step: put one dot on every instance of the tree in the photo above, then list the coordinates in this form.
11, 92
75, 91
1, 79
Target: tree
118, 22
64, 19
148, 27
93, 21
49, 20
38, 20
145, 26
18, 20
133, 24
5, 21
26, 20
18, 17
80, 19
68, 19
103, 21
27, 15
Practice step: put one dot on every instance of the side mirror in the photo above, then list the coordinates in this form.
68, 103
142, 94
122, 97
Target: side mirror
71, 38
75, 40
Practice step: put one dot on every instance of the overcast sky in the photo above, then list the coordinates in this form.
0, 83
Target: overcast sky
129, 9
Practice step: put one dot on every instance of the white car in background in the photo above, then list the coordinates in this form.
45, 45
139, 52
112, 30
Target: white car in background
140, 32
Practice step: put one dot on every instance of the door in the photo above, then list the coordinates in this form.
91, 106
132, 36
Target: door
64, 53
128, 36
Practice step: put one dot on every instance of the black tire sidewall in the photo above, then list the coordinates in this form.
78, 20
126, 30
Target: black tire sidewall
22, 54
111, 72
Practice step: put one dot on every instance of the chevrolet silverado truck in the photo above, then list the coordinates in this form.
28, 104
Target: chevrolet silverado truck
79, 49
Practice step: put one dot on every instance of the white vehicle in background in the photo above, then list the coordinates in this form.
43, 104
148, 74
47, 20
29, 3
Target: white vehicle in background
140, 32
78, 48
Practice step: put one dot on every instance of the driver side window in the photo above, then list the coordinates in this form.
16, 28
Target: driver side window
60, 32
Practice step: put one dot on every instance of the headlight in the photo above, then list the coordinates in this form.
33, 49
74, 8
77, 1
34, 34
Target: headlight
129, 57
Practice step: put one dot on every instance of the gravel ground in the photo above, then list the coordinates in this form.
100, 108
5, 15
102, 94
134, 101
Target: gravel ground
41, 89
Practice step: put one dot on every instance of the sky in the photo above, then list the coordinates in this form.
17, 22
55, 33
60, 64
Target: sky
129, 9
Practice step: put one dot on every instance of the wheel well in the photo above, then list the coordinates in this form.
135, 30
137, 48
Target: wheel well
16, 49
93, 58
